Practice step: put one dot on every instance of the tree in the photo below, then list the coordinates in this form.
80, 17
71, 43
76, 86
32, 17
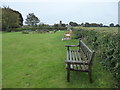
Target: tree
111, 25
44, 26
73, 24
56, 25
20, 17
87, 24
94, 25
63, 25
10, 19
32, 20
82, 24
101, 24
117, 25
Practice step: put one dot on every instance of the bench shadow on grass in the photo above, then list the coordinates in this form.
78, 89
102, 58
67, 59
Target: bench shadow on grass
81, 80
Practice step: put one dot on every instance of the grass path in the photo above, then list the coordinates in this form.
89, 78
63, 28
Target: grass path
37, 61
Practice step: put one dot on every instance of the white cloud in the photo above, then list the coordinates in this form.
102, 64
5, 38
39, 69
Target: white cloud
59, 1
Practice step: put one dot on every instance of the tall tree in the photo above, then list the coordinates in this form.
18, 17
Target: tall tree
10, 19
20, 17
111, 25
32, 20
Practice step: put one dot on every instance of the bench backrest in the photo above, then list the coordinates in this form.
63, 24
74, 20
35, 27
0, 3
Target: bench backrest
86, 53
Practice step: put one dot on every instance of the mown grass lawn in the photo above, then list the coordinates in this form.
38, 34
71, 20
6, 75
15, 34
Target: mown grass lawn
0, 60
37, 61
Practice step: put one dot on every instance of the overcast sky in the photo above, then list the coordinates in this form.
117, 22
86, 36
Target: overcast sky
80, 11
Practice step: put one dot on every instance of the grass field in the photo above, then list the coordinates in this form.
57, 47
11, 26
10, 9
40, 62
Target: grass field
0, 60
101, 29
37, 61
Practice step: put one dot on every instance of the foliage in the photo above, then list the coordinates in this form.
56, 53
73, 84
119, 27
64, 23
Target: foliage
10, 19
106, 45
56, 25
32, 20
87, 24
61, 26
40, 27
73, 23
25, 32
93, 24
20, 17
112, 25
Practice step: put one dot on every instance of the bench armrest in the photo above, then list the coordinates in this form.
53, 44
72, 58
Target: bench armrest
76, 62
71, 45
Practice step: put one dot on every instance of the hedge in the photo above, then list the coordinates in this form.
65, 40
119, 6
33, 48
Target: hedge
106, 45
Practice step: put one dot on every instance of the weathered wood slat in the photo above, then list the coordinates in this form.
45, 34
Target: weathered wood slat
76, 58
68, 56
85, 46
79, 59
79, 70
72, 59
83, 55
73, 56
82, 66
78, 55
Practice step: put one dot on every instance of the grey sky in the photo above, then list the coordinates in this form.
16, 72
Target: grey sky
80, 12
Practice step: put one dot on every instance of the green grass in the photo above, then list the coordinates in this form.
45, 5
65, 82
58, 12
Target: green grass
0, 60
101, 29
37, 61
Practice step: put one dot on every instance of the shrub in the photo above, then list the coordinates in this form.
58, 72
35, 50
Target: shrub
25, 32
107, 45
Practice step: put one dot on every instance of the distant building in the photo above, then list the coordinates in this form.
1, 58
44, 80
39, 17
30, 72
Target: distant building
60, 22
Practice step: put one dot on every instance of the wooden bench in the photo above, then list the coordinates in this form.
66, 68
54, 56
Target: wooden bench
79, 60
68, 34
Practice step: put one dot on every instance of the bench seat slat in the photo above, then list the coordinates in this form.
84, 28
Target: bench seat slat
78, 55
74, 59
73, 55
78, 67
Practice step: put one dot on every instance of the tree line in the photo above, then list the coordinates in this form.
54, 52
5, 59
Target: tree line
93, 24
12, 19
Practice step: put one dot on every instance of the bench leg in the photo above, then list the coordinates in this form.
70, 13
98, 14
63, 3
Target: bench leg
90, 76
68, 75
